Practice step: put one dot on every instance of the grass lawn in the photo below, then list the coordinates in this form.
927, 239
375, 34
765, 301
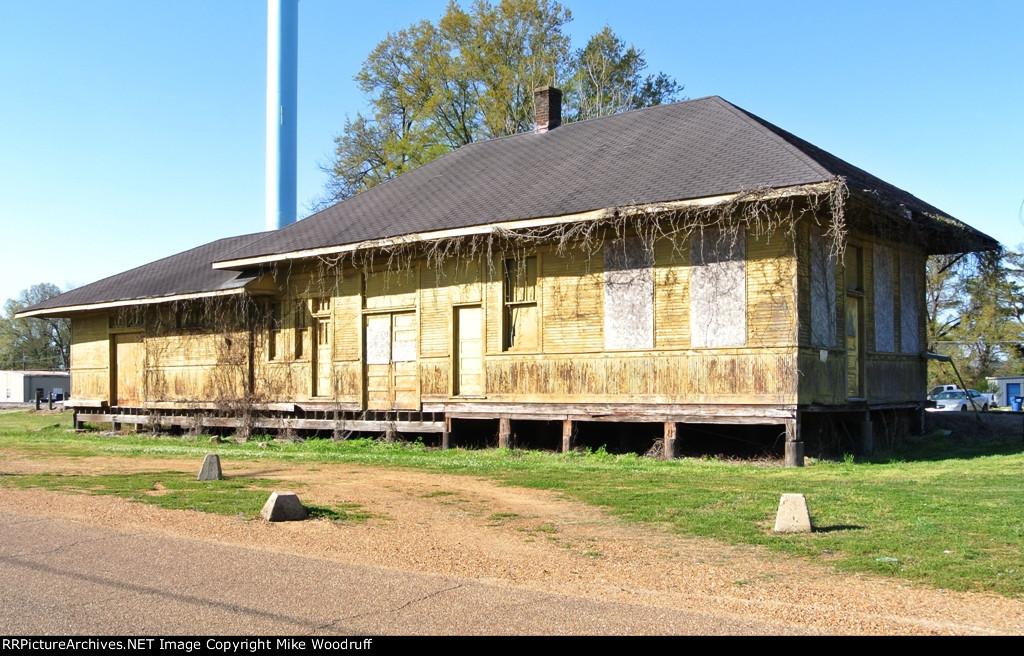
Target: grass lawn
943, 512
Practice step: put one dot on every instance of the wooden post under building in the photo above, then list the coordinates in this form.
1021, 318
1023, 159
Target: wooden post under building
504, 432
567, 435
671, 431
794, 445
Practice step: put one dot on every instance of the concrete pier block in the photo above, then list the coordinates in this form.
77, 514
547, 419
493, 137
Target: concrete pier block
210, 471
284, 507
793, 516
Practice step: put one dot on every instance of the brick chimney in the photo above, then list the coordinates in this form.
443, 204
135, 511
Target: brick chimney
548, 104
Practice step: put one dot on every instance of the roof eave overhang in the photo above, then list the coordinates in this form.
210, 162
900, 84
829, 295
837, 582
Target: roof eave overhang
524, 224
958, 237
937, 233
106, 305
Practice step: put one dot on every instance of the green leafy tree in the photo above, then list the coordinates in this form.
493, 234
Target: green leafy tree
975, 310
35, 342
434, 87
1013, 264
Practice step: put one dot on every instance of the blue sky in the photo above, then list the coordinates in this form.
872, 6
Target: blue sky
134, 129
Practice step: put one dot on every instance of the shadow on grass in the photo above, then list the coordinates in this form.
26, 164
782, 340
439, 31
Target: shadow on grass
957, 436
346, 513
838, 527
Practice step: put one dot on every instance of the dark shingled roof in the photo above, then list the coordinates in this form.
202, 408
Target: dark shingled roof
686, 150
693, 149
190, 272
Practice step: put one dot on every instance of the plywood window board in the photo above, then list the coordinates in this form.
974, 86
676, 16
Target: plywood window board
823, 292
718, 295
909, 318
884, 292
628, 295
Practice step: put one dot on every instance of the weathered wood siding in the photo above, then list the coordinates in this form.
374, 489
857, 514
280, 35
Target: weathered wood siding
679, 377
573, 365
348, 341
566, 308
90, 357
891, 322
195, 366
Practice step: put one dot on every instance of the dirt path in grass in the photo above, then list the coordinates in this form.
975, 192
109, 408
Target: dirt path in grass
463, 527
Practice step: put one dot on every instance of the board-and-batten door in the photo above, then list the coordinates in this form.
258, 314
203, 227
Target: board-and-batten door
322, 357
392, 372
853, 347
469, 351
128, 359
854, 272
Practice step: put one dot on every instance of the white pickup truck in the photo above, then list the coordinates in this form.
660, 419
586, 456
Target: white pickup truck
939, 389
991, 399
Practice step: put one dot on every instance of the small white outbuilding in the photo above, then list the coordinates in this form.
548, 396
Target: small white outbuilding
22, 386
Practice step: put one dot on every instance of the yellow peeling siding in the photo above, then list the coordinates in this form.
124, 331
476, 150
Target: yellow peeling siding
570, 287
671, 295
771, 296
90, 357
413, 312
180, 365
888, 377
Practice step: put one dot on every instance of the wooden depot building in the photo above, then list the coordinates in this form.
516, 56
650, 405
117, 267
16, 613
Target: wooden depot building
657, 273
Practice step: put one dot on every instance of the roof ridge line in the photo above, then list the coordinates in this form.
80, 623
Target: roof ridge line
775, 136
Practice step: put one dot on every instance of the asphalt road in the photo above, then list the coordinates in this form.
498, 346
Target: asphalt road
60, 577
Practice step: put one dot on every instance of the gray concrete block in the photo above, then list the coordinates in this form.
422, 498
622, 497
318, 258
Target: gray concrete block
283, 507
793, 516
210, 471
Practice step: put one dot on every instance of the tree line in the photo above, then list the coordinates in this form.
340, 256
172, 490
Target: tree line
40, 343
975, 307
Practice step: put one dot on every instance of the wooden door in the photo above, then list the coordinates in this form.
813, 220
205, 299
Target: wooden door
128, 373
377, 341
322, 357
404, 367
469, 363
853, 348
392, 370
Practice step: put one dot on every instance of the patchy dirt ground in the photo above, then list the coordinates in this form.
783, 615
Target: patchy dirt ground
463, 527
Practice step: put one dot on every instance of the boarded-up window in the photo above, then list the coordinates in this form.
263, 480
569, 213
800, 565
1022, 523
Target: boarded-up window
521, 316
403, 337
909, 324
718, 293
823, 292
628, 295
885, 326
378, 339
